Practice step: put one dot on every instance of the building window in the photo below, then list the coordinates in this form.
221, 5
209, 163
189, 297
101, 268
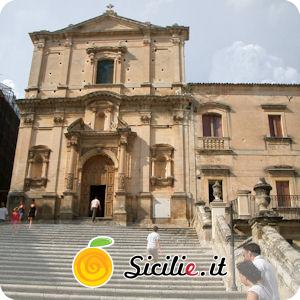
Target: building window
212, 125
283, 193
105, 71
211, 195
275, 126
160, 167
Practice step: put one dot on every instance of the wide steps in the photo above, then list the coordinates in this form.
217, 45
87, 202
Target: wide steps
36, 263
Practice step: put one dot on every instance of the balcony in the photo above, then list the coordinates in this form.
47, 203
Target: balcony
214, 145
286, 206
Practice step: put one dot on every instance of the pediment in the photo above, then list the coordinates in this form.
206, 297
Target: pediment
106, 23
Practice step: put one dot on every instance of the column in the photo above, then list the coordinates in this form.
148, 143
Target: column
36, 65
144, 213
120, 212
66, 64
177, 58
67, 203
244, 208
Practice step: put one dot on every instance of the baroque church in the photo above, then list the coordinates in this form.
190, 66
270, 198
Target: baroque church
108, 113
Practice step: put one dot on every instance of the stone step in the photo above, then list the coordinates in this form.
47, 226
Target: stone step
45, 296
132, 292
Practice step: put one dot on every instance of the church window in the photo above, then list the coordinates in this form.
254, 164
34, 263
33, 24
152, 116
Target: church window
37, 167
105, 71
100, 121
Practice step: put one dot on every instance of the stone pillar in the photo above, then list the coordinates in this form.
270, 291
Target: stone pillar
21, 154
63, 84
147, 70
177, 58
145, 209
67, 203
120, 213
108, 118
244, 208
217, 209
36, 65
57, 132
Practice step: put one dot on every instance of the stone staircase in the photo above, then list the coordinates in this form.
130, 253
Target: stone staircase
36, 263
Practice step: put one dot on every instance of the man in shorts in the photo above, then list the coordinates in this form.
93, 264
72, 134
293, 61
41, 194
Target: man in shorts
153, 245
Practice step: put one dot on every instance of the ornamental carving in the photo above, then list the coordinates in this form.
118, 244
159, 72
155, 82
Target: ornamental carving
122, 182
162, 182
178, 117
28, 119
70, 179
58, 120
35, 183
146, 118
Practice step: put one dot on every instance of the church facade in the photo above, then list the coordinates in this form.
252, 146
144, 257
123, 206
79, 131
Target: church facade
108, 113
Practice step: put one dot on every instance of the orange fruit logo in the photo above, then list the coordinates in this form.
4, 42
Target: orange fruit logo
92, 266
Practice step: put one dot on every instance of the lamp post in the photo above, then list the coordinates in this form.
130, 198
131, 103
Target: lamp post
233, 284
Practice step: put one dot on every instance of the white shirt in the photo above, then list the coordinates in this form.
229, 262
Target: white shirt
3, 213
268, 275
95, 203
152, 240
261, 291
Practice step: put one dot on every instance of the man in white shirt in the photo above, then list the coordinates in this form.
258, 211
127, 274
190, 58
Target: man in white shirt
3, 212
153, 244
252, 252
95, 205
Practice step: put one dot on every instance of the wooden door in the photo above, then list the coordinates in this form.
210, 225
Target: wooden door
283, 193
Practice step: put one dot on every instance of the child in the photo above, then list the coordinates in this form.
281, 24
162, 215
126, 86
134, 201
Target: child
15, 218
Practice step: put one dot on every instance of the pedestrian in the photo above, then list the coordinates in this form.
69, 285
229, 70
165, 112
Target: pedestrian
252, 253
95, 206
250, 276
15, 218
32, 212
21, 210
153, 244
3, 213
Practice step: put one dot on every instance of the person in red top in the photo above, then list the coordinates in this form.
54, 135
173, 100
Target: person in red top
15, 218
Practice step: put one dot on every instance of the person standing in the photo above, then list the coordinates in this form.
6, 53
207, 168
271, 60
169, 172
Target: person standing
21, 211
252, 253
95, 206
3, 213
153, 244
250, 276
15, 219
32, 212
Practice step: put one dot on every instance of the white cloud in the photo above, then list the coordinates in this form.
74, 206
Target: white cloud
296, 3
242, 62
3, 3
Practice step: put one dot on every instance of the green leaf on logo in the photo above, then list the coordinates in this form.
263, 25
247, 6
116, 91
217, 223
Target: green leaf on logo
101, 241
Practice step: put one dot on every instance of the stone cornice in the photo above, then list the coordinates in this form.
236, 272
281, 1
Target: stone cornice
83, 101
122, 49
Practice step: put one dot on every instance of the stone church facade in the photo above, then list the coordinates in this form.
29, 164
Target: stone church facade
107, 113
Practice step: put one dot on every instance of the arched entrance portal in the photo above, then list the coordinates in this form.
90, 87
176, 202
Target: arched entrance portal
97, 180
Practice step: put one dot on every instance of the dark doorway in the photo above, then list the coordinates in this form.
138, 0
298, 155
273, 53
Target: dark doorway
99, 191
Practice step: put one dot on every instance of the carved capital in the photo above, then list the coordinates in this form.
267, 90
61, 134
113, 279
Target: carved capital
178, 117
73, 141
146, 118
123, 140
28, 119
40, 45
146, 41
176, 40
58, 119
68, 43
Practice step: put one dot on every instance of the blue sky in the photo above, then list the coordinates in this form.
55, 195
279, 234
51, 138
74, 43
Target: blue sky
230, 40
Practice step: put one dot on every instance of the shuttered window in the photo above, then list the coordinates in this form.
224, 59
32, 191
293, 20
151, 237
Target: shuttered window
212, 125
275, 126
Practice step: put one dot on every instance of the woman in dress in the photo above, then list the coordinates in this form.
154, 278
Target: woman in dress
21, 211
32, 212
15, 218
250, 276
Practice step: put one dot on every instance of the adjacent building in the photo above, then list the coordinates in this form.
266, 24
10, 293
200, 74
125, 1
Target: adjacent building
9, 124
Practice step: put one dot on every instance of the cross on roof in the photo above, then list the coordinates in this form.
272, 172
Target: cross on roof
110, 6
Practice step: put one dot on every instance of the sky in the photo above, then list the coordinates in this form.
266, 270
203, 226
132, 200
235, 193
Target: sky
252, 41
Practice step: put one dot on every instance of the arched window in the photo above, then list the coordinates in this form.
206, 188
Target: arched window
37, 167
105, 71
212, 125
99, 122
